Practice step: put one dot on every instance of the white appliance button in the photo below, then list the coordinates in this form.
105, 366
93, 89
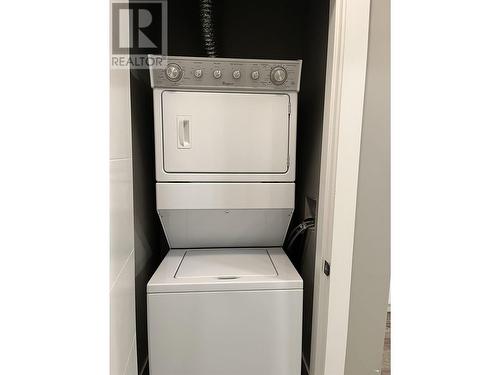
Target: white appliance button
236, 74
255, 74
198, 73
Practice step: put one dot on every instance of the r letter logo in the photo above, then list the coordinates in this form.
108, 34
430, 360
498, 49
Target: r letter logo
138, 29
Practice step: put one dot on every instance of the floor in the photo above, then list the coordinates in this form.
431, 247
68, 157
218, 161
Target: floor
386, 365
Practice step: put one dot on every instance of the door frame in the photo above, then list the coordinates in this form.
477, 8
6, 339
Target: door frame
341, 141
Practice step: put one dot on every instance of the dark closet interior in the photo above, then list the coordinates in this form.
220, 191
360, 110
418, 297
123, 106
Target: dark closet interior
266, 29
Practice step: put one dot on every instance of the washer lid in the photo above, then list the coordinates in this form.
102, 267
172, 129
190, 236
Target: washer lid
224, 269
226, 264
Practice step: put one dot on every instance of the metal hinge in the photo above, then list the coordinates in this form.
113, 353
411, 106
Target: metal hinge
326, 268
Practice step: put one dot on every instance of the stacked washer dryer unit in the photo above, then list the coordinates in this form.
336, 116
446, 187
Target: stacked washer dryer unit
226, 299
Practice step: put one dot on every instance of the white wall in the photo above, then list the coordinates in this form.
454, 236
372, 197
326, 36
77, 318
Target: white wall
123, 353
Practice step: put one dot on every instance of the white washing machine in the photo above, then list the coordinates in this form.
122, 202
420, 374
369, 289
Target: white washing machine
225, 312
226, 299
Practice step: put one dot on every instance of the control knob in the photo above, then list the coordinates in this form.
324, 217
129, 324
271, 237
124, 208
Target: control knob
174, 72
198, 73
217, 73
278, 75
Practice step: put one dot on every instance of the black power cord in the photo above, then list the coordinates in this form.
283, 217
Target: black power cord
297, 231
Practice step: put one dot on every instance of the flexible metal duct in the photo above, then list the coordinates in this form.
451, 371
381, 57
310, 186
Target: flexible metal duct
207, 27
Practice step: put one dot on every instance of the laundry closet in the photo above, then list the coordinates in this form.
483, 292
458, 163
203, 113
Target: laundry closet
227, 143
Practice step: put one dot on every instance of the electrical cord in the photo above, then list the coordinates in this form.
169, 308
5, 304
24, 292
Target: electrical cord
298, 228
297, 231
207, 27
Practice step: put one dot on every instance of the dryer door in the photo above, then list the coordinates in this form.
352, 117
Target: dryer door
225, 133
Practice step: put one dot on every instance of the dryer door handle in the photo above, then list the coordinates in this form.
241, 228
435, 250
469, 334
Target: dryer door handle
184, 133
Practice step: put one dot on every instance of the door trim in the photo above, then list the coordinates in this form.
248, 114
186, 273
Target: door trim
341, 140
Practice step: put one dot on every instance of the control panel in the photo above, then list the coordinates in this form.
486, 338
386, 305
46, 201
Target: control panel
224, 74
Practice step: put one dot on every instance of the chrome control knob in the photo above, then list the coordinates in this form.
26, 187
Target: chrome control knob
278, 75
255, 74
198, 73
217, 74
236, 74
174, 72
